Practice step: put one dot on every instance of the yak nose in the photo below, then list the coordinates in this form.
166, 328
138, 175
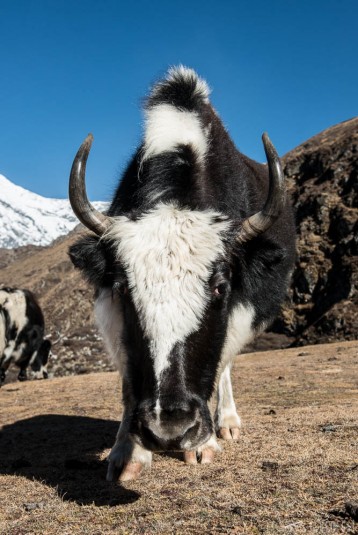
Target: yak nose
167, 425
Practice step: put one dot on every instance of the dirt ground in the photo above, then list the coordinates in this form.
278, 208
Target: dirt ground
293, 470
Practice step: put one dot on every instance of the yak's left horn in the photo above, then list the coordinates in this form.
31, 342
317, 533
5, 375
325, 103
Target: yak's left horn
86, 213
262, 221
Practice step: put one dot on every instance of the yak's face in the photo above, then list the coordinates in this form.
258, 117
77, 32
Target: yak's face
164, 317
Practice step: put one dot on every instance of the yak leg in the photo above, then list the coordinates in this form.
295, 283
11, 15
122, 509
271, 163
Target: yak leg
227, 420
127, 458
23, 364
22, 376
2, 376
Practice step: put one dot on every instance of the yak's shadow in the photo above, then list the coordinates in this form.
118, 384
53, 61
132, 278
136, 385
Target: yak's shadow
62, 451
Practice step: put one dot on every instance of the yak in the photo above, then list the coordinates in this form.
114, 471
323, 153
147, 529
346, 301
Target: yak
191, 261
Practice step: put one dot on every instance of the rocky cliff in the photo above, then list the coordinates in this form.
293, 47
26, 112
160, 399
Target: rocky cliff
323, 176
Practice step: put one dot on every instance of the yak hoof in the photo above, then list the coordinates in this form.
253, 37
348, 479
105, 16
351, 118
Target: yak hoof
22, 376
128, 472
190, 457
131, 471
127, 461
226, 433
205, 456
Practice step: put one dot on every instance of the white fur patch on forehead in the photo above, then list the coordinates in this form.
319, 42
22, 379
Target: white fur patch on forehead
168, 256
166, 127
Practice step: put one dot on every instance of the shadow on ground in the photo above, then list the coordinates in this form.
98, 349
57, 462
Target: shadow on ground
62, 451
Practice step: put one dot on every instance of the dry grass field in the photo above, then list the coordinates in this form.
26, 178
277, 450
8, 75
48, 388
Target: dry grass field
293, 470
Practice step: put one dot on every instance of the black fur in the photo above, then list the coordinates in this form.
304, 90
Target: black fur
179, 91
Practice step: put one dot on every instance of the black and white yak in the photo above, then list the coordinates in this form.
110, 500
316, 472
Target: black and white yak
22, 330
192, 260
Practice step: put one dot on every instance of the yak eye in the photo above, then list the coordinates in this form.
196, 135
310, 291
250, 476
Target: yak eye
120, 288
220, 283
219, 290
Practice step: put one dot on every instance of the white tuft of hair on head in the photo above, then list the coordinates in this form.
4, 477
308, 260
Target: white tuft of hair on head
166, 127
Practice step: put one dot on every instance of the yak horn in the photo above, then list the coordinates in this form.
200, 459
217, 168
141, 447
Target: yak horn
86, 213
262, 221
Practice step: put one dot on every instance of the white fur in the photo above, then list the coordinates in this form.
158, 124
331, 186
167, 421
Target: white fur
168, 256
226, 415
15, 304
209, 444
40, 373
110, 322
16, 354
239, 332
167, 126
2, 333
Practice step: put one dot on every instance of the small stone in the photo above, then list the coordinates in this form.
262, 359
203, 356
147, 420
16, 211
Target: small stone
269, 412
269, 465
237, 510
33, 505
280, 378
329, 428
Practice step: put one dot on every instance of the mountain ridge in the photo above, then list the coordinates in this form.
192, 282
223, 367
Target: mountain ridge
27, 218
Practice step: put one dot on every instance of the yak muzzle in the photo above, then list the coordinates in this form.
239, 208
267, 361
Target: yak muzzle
174, 426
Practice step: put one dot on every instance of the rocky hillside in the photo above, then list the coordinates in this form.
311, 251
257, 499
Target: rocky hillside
66, 300
323, 301
323, 174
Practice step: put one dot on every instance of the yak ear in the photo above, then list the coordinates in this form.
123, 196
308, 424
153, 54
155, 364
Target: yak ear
89, 255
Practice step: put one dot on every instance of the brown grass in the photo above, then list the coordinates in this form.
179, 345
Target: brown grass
292, 471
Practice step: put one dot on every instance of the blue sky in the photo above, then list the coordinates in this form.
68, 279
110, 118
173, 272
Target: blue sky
69, 67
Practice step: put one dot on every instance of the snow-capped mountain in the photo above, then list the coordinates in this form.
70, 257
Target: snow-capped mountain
27, 218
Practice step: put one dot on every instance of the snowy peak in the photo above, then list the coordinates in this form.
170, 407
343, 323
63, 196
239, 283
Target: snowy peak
30, 219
